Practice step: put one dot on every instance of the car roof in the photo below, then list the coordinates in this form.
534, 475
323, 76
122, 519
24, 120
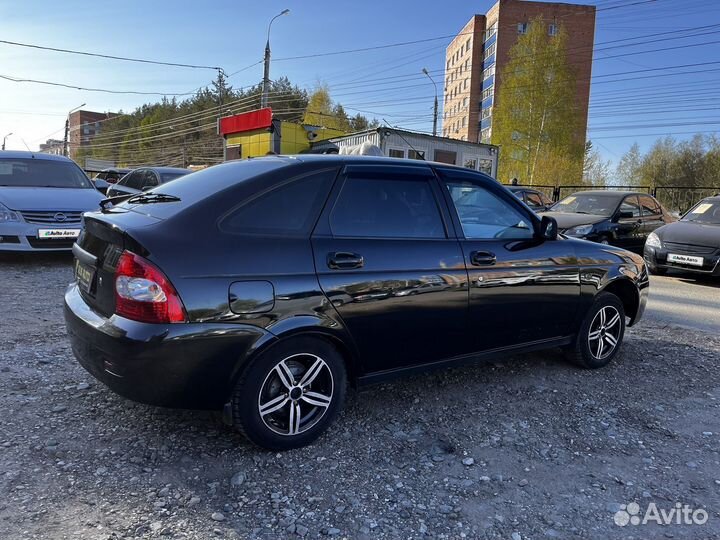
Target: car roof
166, 169
609, 191
21, 154
118, 170
360, 160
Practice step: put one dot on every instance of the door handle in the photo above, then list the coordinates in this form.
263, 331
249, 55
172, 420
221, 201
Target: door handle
482, 258
342, 260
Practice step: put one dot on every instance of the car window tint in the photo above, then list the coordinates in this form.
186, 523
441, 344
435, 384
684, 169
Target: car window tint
42, 173
290, 208
533, 199
630, 204
379, 208
484, 215
149, 179
133, 180
649, 206
166, 177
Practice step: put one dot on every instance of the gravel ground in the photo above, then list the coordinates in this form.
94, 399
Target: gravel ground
525, 448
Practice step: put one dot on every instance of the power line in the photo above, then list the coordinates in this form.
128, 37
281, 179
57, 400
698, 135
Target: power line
103, 90
108, 56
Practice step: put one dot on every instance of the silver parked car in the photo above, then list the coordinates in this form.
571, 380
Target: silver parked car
42, 199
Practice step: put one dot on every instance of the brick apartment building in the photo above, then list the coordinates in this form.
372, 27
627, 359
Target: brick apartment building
475, 58
84, 125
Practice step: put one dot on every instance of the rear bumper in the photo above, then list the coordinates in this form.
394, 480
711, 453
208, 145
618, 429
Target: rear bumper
23, 237
189, 365
657, 258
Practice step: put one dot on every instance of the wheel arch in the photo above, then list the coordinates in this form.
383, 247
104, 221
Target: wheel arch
627, 292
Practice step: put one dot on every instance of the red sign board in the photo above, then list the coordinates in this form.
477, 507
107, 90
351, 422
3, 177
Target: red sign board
262, 118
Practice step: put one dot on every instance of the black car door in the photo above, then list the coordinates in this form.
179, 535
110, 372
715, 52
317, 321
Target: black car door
387, 260
628, 224
522, 288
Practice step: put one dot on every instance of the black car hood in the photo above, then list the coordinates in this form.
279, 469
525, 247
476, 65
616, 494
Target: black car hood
687, 232
565, 220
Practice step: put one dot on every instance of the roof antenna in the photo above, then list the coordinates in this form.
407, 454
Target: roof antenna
422, 156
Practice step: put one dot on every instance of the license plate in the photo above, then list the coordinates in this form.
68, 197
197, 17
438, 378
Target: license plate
685, 259
49, 234
84, 275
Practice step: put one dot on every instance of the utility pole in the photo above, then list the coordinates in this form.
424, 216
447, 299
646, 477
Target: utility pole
5, 137
435, 109
266, 74
67, 129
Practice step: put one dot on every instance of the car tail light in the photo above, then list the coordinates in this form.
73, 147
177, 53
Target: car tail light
143, 293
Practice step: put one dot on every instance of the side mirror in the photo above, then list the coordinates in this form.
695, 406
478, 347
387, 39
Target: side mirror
548, 228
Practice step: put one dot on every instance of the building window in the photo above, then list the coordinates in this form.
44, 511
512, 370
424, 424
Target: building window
416, 154
489, 72
467, 45
488, 92
464, 121
465, 103
484, 113
552, 30
491, 31
489, 51
486, 166
447, 65
522, 28
396, 152
485, 135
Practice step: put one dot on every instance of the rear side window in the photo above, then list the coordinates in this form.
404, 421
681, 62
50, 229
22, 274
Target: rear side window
133, 180
288, 209
378, 208
649, 206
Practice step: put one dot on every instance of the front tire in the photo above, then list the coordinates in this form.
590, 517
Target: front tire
290, 394
601, 333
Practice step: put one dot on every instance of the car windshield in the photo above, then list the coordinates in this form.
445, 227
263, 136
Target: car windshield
705, 212
600, 204
41, 173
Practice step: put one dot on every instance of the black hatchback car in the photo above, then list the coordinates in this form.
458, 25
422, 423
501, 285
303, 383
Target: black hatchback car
619, 218
263, 287
690, 245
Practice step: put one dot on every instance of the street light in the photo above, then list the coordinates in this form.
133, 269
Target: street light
5, 137
435, 110
67, 128
266, 76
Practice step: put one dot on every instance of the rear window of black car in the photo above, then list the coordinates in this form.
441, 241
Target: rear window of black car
289, 209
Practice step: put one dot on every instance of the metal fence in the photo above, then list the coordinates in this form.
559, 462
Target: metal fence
673, 198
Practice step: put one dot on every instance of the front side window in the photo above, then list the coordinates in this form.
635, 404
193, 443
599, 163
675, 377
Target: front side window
134, 180
533, 200
484, 215
288, 209
392, 208
41, 173
630, 206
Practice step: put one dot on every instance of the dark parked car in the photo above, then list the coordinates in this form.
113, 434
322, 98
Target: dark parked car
618, 218
535, 199
111, 176
691, 244
265, 286
143, 179
105, 178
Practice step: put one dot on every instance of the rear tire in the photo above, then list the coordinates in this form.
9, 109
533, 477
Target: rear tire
288, 396
601, 333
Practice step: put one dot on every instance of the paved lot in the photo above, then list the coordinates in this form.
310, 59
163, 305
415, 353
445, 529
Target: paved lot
685, 301
525, 448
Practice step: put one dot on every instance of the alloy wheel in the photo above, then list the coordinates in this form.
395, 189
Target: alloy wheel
604, 334
296, 394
